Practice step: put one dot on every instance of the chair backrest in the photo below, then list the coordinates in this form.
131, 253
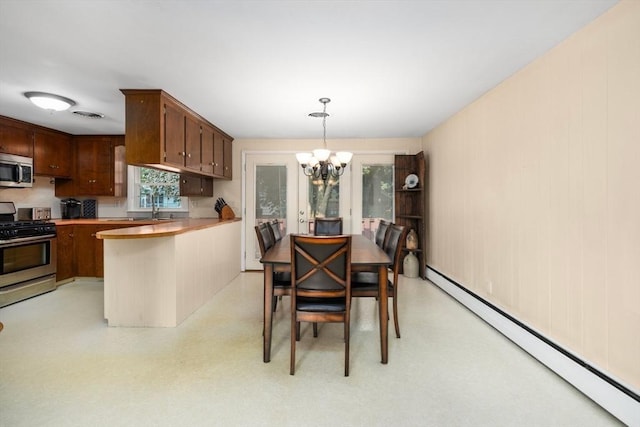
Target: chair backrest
321, 266
265, 237
275, 230
393, 245
381, 233
327, 226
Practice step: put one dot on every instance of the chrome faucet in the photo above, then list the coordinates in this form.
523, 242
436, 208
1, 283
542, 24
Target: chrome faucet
155, 208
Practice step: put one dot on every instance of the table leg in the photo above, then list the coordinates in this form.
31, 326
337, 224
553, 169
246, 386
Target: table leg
268, 313
384, 312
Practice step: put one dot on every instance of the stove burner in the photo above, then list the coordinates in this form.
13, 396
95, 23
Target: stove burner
18, 229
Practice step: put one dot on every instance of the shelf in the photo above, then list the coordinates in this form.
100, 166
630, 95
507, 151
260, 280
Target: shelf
409, 190
410, 202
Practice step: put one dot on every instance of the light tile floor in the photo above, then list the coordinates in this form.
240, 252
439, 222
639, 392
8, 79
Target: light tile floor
61, 365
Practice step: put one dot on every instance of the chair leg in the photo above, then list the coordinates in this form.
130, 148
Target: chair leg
346, 350
275, 303
297, 331
315, 329
395, 315
294, 338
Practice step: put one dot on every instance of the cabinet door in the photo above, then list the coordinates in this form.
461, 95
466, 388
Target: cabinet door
85, 246
52, 154
65, 265
192, 143
16, 140
228, 172
218, 155
189, 185
174, 135
94, 166
196, 186
207, 142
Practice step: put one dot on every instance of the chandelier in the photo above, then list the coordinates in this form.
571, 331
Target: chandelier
322, 163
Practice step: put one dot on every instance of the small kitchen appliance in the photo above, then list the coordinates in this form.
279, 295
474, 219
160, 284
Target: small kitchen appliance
71, 208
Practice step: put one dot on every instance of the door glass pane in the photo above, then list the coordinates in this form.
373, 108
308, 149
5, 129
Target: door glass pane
271, 196
377, 197
324, 199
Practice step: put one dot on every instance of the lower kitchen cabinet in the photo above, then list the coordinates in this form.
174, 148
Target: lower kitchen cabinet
65, 264
80, 252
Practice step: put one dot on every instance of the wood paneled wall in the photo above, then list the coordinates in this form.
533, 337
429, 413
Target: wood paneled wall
534, 194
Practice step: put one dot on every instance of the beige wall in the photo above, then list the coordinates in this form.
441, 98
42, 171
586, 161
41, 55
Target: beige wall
534, 194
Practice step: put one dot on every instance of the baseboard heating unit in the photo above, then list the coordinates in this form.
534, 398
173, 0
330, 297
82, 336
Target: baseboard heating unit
619, 400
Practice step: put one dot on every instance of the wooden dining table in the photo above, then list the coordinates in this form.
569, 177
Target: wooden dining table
365, 255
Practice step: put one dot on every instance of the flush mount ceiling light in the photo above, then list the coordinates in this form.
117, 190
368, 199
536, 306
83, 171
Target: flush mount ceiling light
49, 101
321, 163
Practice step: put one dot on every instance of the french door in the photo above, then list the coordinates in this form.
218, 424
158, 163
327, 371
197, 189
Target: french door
276, 188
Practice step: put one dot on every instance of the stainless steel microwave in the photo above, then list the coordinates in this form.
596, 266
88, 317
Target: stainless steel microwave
16, 171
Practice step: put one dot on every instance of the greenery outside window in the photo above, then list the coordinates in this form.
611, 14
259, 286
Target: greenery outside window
163, 186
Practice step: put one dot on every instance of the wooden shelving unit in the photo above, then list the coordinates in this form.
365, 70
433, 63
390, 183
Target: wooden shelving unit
410, 202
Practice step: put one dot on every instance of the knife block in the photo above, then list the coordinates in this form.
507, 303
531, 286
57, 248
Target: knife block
227, 213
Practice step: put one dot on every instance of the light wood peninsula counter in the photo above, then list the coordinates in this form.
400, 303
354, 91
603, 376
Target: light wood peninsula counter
157, 275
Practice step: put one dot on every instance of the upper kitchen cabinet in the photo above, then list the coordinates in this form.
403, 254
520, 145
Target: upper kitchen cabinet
228, 158
100, 168
16, 137
162, 133
52, 153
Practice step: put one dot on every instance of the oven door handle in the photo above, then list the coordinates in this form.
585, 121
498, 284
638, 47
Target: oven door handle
7, 242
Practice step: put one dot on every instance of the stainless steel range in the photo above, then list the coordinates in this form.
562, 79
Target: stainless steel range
27, 256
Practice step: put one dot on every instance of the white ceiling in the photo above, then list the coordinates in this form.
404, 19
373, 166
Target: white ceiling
257, 68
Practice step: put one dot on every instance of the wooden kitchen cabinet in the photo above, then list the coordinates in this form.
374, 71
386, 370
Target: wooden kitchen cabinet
65, 265
52, 153
99, 170
207, 140
162, 133
89, 250
16, 137
191, 185
192, 148
80, 252
228, 157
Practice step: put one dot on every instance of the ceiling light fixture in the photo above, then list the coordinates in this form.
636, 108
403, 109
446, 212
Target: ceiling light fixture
49, 101
321, 163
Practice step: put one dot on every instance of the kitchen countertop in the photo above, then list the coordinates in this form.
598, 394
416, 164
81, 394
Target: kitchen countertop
141, 229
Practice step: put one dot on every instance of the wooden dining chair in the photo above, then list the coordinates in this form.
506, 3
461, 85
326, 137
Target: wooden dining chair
327, 226
381, 232
320, 286
275, 230
281, 279
365, 283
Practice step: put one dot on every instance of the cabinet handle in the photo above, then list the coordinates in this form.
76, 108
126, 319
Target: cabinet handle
181, 153
184, 181
93, 234
54, 167
189, 155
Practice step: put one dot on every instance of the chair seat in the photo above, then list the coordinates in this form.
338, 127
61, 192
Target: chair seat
366, 284
333, 305
282, 279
